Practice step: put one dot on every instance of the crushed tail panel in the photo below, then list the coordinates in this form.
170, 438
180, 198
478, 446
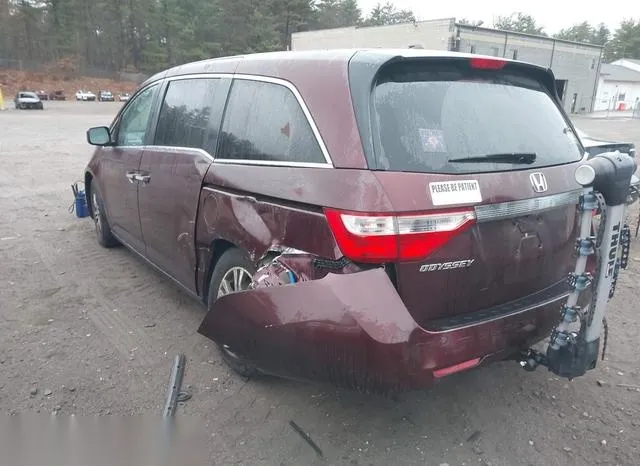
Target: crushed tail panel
331, 329
351, 328
328, 301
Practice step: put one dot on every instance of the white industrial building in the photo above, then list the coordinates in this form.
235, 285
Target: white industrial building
576, 66
619, 86
628, 63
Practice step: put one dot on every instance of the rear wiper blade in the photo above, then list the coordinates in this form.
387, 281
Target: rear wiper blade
509, 157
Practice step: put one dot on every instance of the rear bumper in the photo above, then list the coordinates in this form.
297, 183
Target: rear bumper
354, 330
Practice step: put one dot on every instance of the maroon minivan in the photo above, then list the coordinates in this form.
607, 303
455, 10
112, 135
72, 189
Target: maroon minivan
378, 219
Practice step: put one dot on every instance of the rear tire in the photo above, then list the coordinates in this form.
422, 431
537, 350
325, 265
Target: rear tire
233, 264
103, 230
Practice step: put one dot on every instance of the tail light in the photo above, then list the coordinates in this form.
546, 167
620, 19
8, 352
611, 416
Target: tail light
366, 237
481, 63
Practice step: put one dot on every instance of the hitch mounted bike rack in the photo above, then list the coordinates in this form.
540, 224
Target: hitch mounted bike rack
571, 353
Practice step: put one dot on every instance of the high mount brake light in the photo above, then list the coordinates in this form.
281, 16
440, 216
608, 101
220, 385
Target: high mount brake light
375, 237
479, 63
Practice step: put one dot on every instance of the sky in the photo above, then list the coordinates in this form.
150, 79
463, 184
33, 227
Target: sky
552, 14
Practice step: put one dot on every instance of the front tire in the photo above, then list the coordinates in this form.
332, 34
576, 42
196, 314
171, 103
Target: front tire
103, 230
233, 272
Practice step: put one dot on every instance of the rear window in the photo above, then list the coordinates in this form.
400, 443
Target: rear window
427, 117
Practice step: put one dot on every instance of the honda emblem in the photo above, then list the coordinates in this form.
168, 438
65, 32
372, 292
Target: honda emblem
539, 182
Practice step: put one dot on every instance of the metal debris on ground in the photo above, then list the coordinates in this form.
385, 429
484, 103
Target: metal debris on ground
177, 374
306, 438
624, 385
473, 437
183, 396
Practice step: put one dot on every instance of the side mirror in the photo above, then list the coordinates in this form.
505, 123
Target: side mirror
99, 136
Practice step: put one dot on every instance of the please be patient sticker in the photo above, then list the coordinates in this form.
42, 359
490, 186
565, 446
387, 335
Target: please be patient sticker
455, 192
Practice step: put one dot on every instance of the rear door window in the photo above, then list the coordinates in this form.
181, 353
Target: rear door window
427, 117
191, 113
264, 122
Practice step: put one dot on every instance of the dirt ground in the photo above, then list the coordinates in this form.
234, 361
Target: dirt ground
13, 81
91, 331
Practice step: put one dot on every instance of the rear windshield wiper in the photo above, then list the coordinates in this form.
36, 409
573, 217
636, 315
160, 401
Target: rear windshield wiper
509, 157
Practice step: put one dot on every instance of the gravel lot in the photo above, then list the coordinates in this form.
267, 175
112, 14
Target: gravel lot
89, 331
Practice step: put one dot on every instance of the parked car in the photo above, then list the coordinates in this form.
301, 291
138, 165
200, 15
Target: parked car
124, 97
42, 95
105, 96
27, 99
57, 95
85, 96
394, 218
595, 146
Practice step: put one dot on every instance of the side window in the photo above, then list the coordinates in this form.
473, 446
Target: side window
191, 113
134, 120
264, 121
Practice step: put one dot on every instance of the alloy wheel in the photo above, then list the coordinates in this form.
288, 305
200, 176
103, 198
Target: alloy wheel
236, 279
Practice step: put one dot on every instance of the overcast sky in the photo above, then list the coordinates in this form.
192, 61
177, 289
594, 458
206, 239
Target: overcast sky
552, 14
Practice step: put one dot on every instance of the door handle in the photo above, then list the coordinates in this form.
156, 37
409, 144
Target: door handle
142, 178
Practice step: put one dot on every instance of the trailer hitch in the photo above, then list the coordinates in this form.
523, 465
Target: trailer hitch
571, 351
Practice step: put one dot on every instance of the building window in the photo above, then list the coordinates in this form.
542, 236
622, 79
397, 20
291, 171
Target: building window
515, 54
621, 96
593, 63
495, 51
472, 49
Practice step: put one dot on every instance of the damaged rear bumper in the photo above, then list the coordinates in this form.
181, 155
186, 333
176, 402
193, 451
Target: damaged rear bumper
353, 330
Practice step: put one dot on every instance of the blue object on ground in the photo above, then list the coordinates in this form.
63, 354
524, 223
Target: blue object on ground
81, 205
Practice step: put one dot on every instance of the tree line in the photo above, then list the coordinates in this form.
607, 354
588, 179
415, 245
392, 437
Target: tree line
149, 35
